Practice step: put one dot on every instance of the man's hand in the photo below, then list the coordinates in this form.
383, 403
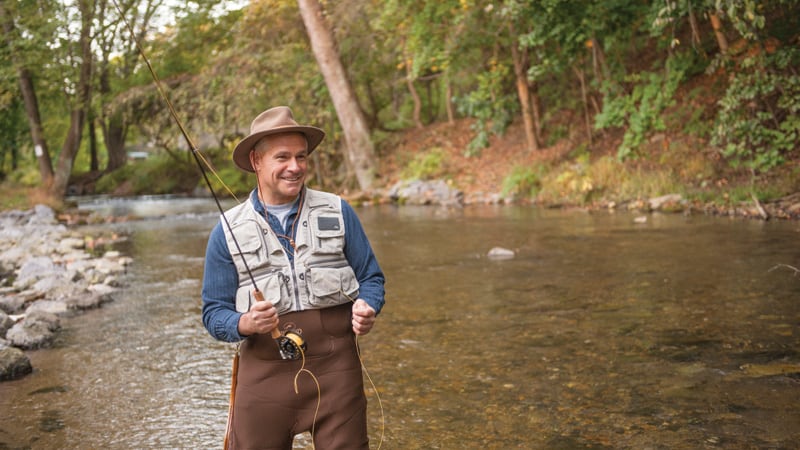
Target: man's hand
261, 319
363, 317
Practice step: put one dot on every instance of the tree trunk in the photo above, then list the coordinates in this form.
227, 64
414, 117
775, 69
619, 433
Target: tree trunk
94, 165
31, 103
520, 73
417, 102
448, 103
536, 110
360, 150
114, 138
694, 27
72, 143
601, 71
716, 24
37, 133
585, 100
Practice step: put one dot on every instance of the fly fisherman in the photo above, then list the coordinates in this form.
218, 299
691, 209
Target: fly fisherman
314, 267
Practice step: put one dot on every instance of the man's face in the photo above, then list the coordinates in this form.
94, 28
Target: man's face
280, 162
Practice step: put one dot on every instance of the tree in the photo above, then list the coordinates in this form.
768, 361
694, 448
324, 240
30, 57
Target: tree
117, 59
14, 41
360, 150
73, 61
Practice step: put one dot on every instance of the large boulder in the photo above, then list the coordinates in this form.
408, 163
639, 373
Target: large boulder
37, 330
419, 192
13, 363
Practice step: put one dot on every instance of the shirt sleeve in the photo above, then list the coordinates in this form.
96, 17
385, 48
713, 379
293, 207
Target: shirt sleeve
220, 282
359, 254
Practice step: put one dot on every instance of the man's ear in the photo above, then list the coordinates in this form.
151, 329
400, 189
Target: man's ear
253, 159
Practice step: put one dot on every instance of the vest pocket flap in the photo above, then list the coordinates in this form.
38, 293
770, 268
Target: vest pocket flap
250, 239
327, 285
248, 235
327, 227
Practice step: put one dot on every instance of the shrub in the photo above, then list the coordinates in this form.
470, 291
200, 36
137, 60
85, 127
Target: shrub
759, 118
426, 165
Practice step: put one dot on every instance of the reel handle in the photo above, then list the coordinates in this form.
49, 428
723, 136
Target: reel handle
290, 344
276, 334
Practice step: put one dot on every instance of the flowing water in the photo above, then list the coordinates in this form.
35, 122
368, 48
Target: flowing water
680, 332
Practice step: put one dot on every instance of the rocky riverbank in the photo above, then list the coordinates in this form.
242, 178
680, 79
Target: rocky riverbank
439, 192
48, 271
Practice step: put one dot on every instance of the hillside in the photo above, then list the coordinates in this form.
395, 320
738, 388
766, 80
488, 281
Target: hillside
669, 163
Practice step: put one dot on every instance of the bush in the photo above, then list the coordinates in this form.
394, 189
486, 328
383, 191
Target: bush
158, 174
524, 181
426, 165
759, 119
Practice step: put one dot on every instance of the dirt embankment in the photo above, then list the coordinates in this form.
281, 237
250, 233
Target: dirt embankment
481, 176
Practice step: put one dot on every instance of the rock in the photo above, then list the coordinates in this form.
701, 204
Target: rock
498, 253
419, 192
13, 363
659, 202
48, 273
6, 323
56, 307
87, 300
34, 269
31, 334
68, 244
16, 303
42, 215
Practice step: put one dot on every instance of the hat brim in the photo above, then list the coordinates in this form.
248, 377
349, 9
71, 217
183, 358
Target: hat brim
241, 153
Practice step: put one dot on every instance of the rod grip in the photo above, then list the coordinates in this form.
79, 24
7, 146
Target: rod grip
260, 298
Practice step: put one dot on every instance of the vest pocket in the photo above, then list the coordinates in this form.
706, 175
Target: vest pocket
250, 237
327, 285
276, 291
273, 287
327, 234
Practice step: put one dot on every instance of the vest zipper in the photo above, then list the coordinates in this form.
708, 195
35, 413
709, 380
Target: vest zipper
297, 306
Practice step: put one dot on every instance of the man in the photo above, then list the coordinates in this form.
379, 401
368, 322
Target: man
310, 259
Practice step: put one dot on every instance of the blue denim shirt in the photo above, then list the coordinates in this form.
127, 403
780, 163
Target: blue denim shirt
220, 278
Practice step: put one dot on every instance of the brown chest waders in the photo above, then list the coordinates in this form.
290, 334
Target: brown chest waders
267, 413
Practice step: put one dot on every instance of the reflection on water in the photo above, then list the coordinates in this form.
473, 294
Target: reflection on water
600, 333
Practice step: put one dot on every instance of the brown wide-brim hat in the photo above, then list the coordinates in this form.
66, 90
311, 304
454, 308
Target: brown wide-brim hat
273, 121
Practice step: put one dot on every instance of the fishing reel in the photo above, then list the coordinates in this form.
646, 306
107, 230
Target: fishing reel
290, 344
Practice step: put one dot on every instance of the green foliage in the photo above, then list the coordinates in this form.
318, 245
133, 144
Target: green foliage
640, 111
426, 165
238, 181
222, 67
158, 174
758, 123
492, 105
524, 181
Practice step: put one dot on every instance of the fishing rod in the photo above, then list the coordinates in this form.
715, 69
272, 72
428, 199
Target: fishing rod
290, 344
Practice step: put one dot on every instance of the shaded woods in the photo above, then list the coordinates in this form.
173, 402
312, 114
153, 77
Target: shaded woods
598, 103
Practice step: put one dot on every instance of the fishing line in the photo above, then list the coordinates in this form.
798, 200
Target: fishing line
319, 393
366, 372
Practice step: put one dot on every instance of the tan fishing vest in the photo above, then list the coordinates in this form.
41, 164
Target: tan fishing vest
320, 273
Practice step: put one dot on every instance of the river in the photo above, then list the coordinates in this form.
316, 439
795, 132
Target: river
602, 332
